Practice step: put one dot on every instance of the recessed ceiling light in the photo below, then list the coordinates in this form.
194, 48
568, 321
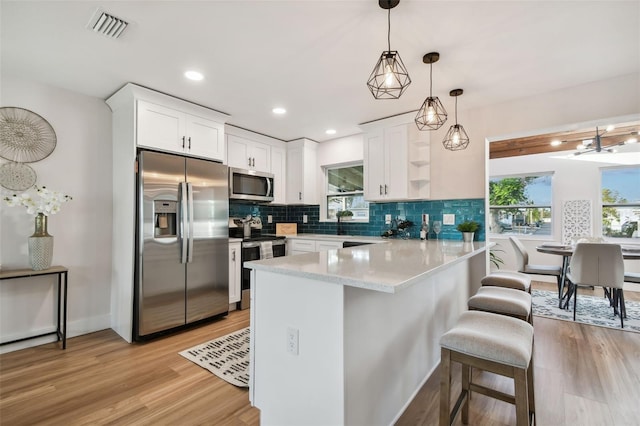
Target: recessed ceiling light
610, 127
331, 131
556, 143
194, 75
279, 110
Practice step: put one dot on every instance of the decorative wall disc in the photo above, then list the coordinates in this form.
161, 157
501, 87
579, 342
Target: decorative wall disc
17, 176
25, 137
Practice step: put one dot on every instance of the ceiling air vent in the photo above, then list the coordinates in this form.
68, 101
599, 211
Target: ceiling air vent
108, 25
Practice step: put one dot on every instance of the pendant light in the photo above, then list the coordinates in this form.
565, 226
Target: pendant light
432, 114
456, 138
389, 77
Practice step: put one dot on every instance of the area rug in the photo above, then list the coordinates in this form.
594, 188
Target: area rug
227, 357
591, 310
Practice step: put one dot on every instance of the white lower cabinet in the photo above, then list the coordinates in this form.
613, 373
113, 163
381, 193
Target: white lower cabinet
299, 246
235, 272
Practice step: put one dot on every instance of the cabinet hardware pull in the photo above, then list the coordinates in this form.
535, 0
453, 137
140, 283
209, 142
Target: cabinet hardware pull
183, 142
380, 189
254, 162
233, 255
189, 142
249, 161
385, 189
299, 195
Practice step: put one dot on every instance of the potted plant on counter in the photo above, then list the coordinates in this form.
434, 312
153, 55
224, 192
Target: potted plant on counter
344, 215
468, 228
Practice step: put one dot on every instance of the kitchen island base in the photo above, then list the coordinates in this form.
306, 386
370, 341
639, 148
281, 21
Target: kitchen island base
359, 355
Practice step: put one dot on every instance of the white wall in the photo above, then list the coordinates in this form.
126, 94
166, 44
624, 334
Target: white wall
461, 174
81, 167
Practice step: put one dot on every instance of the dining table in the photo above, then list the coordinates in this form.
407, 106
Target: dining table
629, 252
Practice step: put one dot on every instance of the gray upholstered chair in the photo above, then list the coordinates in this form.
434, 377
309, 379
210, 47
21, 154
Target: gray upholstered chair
522, 258
508, 279
602, 265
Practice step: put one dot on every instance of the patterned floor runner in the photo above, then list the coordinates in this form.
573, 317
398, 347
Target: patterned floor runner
227, 357
591, 310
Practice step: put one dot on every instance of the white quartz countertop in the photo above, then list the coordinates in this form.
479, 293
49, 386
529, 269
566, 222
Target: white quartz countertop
386, 267
235, 240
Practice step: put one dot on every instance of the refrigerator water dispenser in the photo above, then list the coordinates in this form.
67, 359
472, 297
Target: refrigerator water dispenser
165, 218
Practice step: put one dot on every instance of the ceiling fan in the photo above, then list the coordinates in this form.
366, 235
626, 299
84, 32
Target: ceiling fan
595, 144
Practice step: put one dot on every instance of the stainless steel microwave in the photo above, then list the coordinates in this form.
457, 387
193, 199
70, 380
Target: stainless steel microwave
250, 185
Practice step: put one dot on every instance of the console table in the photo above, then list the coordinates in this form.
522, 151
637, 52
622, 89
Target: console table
61, 272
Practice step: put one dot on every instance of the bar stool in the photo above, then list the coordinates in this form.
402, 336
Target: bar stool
503, 301
509, 279
494, 343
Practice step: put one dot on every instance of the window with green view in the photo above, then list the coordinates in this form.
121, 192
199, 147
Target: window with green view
345, 191
620, 201
520, 205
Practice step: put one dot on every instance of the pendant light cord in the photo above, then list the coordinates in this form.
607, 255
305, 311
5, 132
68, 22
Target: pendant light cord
431, 80
456, 110
389, 27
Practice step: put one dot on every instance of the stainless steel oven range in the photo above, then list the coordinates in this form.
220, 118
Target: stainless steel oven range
253, 248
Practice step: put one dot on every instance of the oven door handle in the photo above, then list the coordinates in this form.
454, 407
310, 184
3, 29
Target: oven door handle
254, 244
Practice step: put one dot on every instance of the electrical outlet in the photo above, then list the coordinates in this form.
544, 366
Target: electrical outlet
387, 219
292, 340
269, 218
304, 218
448, 219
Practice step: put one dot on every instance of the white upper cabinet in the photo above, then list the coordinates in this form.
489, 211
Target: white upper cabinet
301, 172
396, 164
248, 154
169, 129
168, 124
279, 170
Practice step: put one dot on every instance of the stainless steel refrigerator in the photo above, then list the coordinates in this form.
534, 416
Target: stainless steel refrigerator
182, 257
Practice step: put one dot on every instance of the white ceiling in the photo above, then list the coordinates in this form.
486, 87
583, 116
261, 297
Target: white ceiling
314, 57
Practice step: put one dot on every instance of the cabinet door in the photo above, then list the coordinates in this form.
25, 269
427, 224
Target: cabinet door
238, 152
295, 176
260, 158
396, 167
234, 272
279, 170
374, 166
160, 127
328, 245
204, 138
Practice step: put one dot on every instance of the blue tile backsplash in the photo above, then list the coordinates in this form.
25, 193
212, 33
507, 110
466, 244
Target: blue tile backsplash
466, 209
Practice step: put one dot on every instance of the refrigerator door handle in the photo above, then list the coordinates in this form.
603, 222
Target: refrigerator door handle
190, 210
182, 196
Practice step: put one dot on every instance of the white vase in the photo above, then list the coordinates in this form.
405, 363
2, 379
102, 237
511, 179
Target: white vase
467, 237
40, 245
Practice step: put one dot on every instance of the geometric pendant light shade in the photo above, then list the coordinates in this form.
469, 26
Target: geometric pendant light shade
432, 114
456, 138
389, 77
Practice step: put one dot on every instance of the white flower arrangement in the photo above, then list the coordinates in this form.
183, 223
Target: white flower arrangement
48, 202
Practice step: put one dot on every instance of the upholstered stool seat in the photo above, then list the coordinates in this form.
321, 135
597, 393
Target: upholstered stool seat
509, 279
494, 343
504, 301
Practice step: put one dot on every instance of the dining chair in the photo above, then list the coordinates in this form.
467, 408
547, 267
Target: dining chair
602, 265
522, 259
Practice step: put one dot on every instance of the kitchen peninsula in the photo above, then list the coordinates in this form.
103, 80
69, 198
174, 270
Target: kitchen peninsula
348, 336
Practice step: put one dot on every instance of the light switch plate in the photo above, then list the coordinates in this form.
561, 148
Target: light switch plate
387, 219
269, 218
304, 218
448, 219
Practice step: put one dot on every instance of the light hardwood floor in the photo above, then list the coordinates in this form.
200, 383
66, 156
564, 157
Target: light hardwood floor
585, 375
